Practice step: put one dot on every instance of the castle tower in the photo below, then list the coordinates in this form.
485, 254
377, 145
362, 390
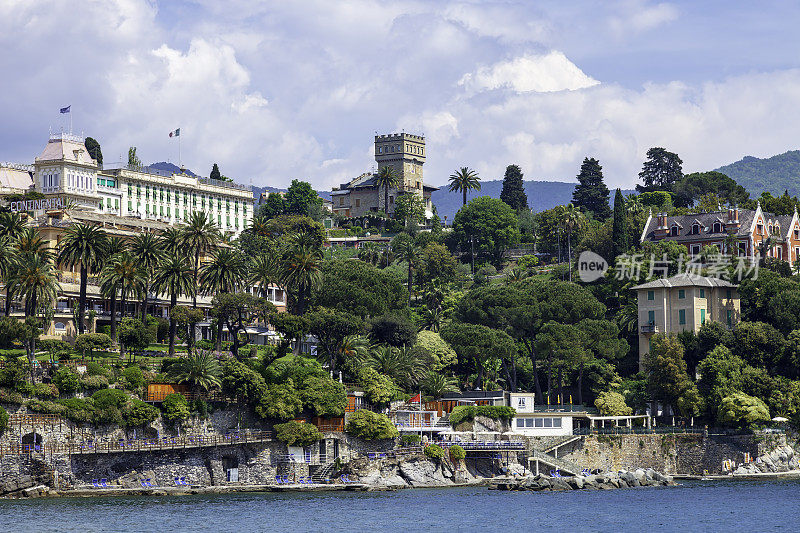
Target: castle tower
405, 153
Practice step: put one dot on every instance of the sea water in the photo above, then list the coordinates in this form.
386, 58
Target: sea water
768, 505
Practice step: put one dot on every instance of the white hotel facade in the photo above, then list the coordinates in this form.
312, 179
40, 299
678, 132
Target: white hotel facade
65, 169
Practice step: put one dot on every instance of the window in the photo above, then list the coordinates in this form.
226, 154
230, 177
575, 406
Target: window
358, 202
681, 294
548, 422
728, 294
521, 403
520, 422
538, 422
702, 316
717, 227
651, 295
130, 206
673, 231
695, 229
557, 422
341, 201
695, 249
651, 318
682, 316
760, 229
729, 318
702, 293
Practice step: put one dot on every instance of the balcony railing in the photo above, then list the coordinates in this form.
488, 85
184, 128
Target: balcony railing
649, 328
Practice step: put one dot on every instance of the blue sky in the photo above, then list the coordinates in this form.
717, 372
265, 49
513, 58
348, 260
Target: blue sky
273, 91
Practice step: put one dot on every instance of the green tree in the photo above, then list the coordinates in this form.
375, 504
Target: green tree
200, 370
295, 433
392, 329
83, 246
410, 208
406, 249
66, 380
174, 278
668, 380
660, 170
275, 205
741, 410
92, 342
300, 272
34, 280
175, 407
324, 396
378, 388
134, 335
121, 275
237, 311
199, 235
367, 425
386, 179
463, 180
437, 384
691, 187
611, 403
487, 224
93, 149
402, 365
591, 193
215, 174
513, 192
242, 382
133, 160
280, 401
619, 235
436, 263
481, 346
758, 343
331, 327
432, 349
360, 289
302, 199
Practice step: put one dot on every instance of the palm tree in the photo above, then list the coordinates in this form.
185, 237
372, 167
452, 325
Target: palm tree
84, 245
174, 277
35, 281
407, 250
8, 263
369, 253
264, 272
199, 369
123, 275
463, 180
355, 348
431, 319
198, 235
259, 226
29, 244
300, 273
571, 220
171, 240
224, 273
11, 224
437, 385
148, 251
403, 365
115, 245
387, 179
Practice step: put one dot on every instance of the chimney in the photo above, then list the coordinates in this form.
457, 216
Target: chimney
733, 219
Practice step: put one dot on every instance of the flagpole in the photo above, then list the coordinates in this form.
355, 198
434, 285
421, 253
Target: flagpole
180, 162
70, 119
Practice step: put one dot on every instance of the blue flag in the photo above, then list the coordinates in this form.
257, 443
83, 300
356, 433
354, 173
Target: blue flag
65, 109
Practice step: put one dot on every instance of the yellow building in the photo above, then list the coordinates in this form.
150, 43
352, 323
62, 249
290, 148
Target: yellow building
683, 303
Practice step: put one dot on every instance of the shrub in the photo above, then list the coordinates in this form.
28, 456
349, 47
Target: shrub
281, 402
295, 433
457, 453
94, 382
175, 407
138, 413
134, 378
378, 388
45, 391
3, 420
370, 426
204, 345
109, 398
467, 413
12, 375
410, 440
434, 451
611, 403
66, 380
741, 410
324, 396
242, 382
47, 407
11, 396
78, 410
96, 369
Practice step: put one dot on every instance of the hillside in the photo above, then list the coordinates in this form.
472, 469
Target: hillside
772, 174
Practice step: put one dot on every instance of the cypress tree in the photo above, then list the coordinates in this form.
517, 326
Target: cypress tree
619, 235
93, 147
513, 192
591, 194
215, 174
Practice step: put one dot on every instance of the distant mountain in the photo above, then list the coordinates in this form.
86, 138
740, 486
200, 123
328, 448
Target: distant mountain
772, 174
542, 195
171, 167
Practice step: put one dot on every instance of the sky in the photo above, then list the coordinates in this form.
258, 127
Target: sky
275, 91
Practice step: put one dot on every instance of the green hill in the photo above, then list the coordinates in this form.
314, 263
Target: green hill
773, 174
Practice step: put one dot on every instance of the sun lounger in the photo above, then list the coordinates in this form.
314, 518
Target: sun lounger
95, 483
183, 482
103, 482
148, 482
278, 480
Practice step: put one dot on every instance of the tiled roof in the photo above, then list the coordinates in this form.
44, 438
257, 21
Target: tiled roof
15, 178
684, 280
706, 221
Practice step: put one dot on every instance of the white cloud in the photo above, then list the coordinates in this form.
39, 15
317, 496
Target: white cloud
637, 16
538, 73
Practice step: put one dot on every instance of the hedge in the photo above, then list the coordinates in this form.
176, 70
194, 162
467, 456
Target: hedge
467, 413
457, 452
410, 440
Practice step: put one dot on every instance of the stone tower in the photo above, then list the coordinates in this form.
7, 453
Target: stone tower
406, 154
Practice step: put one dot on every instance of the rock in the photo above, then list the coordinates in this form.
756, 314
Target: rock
641, 475
576, 482
630, 479
558, 483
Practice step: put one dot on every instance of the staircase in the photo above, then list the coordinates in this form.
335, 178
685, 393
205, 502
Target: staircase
559, 442
443, 422
323, 472
559, 464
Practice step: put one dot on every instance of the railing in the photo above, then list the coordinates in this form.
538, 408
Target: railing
649, 328
489, 446
139, 445
331, 426
621, 430
214, 396
228, 184
34, 419
561, 464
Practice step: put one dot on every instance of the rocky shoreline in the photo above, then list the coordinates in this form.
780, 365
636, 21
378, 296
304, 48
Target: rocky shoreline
602, 481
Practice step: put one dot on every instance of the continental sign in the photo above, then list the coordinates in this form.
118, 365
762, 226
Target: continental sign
36, 205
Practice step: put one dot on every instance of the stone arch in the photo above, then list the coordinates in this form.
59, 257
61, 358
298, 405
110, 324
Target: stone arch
32, 440
230, 465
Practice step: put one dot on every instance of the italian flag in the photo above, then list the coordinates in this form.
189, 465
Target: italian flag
176, 133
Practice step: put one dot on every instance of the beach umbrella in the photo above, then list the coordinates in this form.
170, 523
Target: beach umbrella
780, 419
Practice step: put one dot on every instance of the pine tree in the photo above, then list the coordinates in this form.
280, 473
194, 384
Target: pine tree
591, 194
619, 235
513, 192
660, 171
215, 174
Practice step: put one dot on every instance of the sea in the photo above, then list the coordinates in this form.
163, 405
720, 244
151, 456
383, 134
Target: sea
736, 505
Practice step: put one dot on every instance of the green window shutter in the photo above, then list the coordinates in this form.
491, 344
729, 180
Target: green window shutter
651, 295
682, 316
730, 318
651, 317
702, 293
681, 294
702, 316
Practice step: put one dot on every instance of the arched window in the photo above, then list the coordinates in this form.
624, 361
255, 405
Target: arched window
717, 227
695, 229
